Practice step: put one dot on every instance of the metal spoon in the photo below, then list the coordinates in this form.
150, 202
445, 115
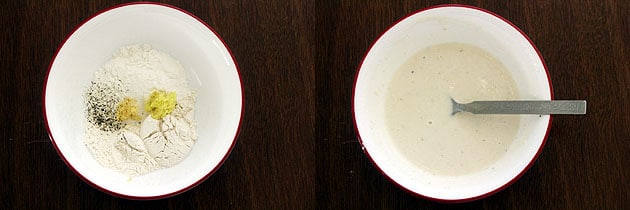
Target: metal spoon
522, 107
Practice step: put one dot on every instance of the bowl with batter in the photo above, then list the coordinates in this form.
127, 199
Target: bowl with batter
402, 103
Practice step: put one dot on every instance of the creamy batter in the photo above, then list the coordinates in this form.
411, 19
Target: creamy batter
418, 109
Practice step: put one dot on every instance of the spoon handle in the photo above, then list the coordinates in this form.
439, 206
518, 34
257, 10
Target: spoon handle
523, 107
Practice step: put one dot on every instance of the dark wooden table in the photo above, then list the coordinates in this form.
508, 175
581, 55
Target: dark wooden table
297, 148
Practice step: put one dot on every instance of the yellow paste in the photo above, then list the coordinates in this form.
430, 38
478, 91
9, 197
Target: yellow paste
160, 103
127, 109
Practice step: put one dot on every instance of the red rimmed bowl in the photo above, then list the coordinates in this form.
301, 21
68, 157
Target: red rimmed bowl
439, 25
211, 70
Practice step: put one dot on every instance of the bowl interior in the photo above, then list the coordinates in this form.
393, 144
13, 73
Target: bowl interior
446, 24
211, 71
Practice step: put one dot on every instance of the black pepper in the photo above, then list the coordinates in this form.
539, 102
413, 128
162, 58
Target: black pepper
101, 102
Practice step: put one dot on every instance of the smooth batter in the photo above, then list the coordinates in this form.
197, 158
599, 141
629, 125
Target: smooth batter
418, 109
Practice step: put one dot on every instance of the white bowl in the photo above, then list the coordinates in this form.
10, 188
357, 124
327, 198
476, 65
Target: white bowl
211, 70
437, 25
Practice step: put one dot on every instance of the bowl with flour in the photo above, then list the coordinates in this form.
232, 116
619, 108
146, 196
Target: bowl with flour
402, 103
143, 101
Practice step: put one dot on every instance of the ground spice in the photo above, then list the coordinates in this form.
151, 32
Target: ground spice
102, 99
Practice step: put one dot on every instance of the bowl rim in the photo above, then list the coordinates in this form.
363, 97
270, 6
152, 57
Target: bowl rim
152, 197
442, 200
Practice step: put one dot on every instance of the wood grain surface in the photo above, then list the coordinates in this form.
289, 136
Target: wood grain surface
297, 148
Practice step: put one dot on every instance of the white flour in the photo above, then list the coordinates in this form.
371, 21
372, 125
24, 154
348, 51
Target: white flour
142, 147
142, 69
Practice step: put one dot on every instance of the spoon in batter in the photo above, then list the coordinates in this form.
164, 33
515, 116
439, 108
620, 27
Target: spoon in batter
522, 107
